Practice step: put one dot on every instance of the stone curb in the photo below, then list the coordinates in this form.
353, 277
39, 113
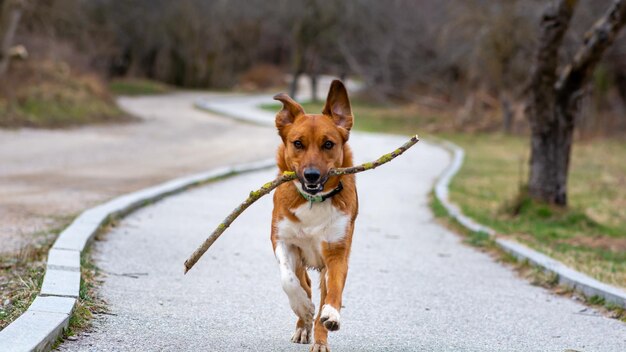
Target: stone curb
566, 276
42, 324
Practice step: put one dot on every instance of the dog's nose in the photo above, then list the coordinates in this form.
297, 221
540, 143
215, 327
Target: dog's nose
312, 175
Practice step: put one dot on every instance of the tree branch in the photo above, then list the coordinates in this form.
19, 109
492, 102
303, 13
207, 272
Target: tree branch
597, 40
554, 24
286, 177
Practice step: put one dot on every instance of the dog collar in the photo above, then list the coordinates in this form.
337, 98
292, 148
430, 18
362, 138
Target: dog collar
318, 198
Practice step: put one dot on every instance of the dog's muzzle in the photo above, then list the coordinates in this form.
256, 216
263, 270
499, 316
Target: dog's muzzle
312, 181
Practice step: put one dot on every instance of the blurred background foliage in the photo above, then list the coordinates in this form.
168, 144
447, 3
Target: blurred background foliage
459, 69
468, 59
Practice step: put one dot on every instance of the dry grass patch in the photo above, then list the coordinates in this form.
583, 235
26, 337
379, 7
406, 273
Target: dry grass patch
21, 275
47, 94
587, 236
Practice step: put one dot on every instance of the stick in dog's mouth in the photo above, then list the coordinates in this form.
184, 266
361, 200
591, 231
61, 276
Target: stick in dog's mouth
313, 188
286, 177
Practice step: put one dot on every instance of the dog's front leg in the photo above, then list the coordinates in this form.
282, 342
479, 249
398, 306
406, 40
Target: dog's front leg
294, 280
332, 281
336, 273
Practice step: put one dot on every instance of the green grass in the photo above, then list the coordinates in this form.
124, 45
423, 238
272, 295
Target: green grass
137, 86
588, 236
535, 275
89, 302
477, 239
50, 95
59, 110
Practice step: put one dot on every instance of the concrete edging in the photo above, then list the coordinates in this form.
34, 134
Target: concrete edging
48, 316
566, 275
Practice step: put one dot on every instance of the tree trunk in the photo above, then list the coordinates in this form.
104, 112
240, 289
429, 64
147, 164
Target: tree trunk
549, 158
549, 163
297, 58
550, 142
313, 70
507, 113
620, 81
313, 77
293, 86
297, 70
554, 99
9, 19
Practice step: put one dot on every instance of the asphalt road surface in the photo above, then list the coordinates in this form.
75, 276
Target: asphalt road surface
412, 286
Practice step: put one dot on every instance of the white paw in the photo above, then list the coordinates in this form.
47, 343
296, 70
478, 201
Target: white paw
318, 347
302, 335
330, 318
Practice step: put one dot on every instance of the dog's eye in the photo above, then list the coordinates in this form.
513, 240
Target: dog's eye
298, 145
329, 145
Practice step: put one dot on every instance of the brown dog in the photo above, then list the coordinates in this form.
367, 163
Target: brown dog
313, 217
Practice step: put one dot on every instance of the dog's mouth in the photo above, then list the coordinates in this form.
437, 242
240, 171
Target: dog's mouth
312, 181
312, 188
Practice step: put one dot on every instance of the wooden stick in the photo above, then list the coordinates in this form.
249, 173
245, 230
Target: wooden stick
286, 177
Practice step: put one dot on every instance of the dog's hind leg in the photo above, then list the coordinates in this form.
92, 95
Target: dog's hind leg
299, 298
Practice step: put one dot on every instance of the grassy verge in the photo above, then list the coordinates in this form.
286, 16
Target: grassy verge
51, 95
138, 86
534, 274
89, 302
21, 275
589, 236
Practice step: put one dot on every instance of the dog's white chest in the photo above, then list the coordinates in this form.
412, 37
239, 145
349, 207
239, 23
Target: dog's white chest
319, 222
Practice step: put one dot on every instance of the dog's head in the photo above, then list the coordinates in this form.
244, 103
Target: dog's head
314, 143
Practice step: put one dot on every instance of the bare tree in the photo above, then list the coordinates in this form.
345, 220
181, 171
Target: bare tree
554, 98
314, 29
10, 16
491, 45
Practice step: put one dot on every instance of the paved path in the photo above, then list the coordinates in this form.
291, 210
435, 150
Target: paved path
412, 286
48, 175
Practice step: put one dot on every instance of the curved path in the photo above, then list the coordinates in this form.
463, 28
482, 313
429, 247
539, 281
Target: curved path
412, 286
48, 176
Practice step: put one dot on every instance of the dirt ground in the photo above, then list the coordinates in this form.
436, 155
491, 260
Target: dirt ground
49, 176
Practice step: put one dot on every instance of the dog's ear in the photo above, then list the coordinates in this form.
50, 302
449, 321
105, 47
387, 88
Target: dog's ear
290, 111
338, 106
